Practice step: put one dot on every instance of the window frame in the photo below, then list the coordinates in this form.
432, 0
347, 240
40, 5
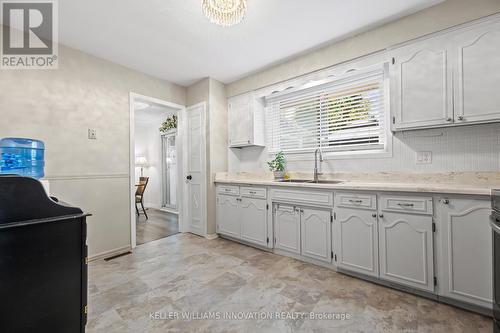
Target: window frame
346, 152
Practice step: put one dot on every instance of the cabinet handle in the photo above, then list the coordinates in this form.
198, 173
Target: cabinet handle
355, 201
405, 204
381, 215
374, 215
460, 117
252, 192
445, 201
238, 199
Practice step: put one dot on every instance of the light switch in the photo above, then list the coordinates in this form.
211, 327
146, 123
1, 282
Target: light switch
92, 134
424, 157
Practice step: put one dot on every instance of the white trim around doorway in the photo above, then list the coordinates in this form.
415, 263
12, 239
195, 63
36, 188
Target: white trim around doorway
180, 134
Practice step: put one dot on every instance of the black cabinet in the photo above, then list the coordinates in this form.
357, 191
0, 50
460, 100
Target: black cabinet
43, 260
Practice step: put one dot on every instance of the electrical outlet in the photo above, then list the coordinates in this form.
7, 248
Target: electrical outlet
424, 157
92, 134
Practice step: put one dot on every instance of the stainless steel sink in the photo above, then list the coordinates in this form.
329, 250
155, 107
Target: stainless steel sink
310, 181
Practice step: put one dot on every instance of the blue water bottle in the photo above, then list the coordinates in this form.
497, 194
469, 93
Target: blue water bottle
23, 157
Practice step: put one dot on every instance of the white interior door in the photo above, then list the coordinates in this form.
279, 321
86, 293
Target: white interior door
195, 170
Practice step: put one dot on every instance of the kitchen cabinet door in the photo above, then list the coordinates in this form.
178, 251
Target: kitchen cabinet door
287, 228
421, 85
228, 216
316, 233
406, 249
356, 240
240, 120
477, 73
253, 215
466, 250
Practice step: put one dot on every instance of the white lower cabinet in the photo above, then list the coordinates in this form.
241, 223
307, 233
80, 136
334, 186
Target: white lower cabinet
466, 250
243, 217
228, 216
287, 228
253, 217
304, 231
355, 238
406, 249
315, 234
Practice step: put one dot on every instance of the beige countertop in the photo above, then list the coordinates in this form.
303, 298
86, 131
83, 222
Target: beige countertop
472, 183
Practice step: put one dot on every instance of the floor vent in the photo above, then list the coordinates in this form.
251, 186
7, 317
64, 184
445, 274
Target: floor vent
118, 256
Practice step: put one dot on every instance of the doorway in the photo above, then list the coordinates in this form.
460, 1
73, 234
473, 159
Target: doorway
154, 169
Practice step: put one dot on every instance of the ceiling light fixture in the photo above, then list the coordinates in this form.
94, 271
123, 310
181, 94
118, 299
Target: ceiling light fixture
224, 12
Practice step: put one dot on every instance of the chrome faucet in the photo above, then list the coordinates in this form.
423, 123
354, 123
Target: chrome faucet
316, 173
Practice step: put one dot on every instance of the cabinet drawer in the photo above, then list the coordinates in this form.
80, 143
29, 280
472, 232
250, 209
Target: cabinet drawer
417, 205
356, 200
253, 192
303, 196
228, 189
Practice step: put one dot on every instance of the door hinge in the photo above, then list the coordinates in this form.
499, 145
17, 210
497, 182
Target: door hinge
435, 281
331, 254
267, 240
331, 218
267, 206
334, 215
433, 227
393, 60
393, 119
274, 240
335, 257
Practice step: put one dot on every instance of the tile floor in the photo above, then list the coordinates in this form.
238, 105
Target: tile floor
189, 273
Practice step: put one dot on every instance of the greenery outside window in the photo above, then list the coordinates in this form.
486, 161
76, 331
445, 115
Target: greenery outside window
340, 115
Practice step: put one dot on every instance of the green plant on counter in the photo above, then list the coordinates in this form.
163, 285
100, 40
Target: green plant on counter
168, 124
278, 164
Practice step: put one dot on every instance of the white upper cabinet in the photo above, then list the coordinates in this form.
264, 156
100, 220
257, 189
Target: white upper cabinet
477, 78
466, 245
421, 85
448, 80
245, 121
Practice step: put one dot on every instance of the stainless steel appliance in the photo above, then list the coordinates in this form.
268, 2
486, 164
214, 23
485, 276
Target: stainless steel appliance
495, 225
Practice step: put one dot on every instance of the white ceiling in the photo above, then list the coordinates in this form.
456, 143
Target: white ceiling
154, 114
172, 39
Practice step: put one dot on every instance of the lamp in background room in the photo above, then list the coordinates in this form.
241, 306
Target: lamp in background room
142, 162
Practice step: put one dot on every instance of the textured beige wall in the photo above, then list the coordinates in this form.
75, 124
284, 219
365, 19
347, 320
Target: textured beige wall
439, 17
58, 107
218, 145
214, 94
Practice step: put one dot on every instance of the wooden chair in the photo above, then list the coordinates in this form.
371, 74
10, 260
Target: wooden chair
139, 194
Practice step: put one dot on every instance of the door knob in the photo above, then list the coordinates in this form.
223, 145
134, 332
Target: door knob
374, 215
189, 177
460, 117
381, 215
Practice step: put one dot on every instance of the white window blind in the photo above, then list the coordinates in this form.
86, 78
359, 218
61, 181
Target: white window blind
336, 116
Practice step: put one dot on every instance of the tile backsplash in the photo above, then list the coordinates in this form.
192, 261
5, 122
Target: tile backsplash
465, 148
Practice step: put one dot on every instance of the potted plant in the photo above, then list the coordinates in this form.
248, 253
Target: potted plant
277, 166
168, 124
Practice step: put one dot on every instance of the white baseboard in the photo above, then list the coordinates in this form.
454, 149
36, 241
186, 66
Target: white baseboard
110, 253
212, 236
